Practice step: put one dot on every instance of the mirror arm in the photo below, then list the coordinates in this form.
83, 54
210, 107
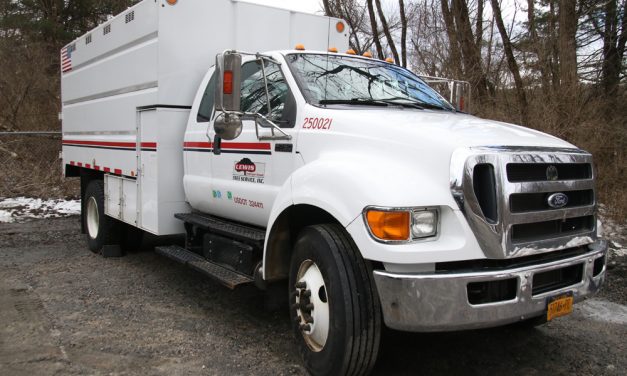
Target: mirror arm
265, 82
274, 127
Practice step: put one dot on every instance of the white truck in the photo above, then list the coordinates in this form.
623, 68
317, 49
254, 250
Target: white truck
348, 177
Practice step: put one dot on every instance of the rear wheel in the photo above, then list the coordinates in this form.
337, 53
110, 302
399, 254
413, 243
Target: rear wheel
334, 307
101, 230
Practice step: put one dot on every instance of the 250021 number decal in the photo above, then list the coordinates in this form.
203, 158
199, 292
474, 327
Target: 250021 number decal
317, 123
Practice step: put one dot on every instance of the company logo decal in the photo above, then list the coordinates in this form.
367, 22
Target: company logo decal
247, 170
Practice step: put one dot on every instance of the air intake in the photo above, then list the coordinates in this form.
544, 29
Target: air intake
484, 185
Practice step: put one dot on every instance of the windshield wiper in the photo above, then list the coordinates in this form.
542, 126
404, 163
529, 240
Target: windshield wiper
355, 101
414, 103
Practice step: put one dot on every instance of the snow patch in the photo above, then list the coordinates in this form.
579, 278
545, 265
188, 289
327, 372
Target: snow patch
604, 311
19, 209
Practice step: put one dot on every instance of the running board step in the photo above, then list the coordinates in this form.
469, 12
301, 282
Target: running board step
236, 231
226, 277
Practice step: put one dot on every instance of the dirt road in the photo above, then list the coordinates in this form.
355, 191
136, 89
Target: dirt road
66, 311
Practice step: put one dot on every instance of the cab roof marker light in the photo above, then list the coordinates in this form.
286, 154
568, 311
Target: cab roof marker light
351, 52
389, 60
367, 54
299, 47
333, 49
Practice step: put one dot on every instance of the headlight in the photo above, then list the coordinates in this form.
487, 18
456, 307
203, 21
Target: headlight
401, 224
424, 223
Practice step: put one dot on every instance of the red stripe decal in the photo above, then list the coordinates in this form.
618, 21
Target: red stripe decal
206, 145
246, 145
100, 143
231, 145
117, 171
149, 145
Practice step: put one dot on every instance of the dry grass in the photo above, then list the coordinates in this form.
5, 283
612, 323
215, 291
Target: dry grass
587, 121
31, 167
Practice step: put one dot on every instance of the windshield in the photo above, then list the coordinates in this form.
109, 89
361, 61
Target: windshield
334, 79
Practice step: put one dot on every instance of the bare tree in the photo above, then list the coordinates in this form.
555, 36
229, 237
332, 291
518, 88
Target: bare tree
511, 61
374, 28
401, 5
387, 32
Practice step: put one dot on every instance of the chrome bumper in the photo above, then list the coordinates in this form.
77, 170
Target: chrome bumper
439, 302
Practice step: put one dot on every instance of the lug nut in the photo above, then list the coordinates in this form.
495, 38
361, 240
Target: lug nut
305, 327
309, 307
307, 293
295, 306
309, 320
301, 285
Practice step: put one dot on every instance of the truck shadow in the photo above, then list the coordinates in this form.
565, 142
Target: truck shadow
514, 349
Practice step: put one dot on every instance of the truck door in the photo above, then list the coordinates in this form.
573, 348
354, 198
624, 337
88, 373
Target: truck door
246, 174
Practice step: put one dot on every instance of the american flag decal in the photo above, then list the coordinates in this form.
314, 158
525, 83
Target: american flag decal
66, 58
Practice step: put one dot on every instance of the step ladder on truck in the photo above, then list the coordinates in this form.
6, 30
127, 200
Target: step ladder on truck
348, 179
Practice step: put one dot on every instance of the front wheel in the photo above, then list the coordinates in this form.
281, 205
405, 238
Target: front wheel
334, 306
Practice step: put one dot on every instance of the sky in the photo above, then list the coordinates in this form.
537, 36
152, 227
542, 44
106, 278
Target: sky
308, 6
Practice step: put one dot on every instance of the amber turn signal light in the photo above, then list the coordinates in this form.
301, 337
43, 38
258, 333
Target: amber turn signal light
389, 225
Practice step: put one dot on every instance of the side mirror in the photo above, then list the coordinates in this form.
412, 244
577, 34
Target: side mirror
228, 126
228, 88
228, 122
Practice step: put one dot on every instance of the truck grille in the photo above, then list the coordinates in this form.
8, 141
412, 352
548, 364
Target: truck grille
520, 201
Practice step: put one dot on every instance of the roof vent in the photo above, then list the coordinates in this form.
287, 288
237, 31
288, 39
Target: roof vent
88, 39
130, 16
106, 30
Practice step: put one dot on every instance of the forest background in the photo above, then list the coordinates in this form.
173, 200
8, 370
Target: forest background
559, 66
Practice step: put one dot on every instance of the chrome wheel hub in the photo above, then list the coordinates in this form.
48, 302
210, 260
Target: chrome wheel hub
312, 305
93, 219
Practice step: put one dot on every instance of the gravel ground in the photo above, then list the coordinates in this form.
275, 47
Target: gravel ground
67, 311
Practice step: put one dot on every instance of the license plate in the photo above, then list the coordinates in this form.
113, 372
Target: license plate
560, 305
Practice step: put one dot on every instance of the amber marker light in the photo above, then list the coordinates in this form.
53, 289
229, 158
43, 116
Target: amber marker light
367, 54
351, 52
340, 27
389, 225
172, 2
300, 47
389, 60
333, 49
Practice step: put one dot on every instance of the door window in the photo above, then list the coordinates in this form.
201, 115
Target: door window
206, 104
254, 99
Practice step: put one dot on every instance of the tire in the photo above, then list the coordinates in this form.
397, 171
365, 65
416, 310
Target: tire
101, 230
327, 260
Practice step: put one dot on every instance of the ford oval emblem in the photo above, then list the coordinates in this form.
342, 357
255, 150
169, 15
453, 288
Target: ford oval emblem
557, 200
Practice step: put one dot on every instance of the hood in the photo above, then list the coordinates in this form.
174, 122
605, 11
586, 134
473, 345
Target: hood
446, 130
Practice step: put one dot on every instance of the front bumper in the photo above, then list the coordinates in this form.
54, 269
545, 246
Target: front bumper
439, 302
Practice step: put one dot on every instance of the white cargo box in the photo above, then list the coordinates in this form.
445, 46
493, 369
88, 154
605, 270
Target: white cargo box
153, 57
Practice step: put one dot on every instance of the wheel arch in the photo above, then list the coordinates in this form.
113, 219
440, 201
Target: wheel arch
283, 234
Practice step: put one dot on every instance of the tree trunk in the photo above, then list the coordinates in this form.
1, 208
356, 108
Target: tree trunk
451, 32
479, 27
568, 45
538, 48
386, 31
375, 31
470, 53
511, 62
401, 5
